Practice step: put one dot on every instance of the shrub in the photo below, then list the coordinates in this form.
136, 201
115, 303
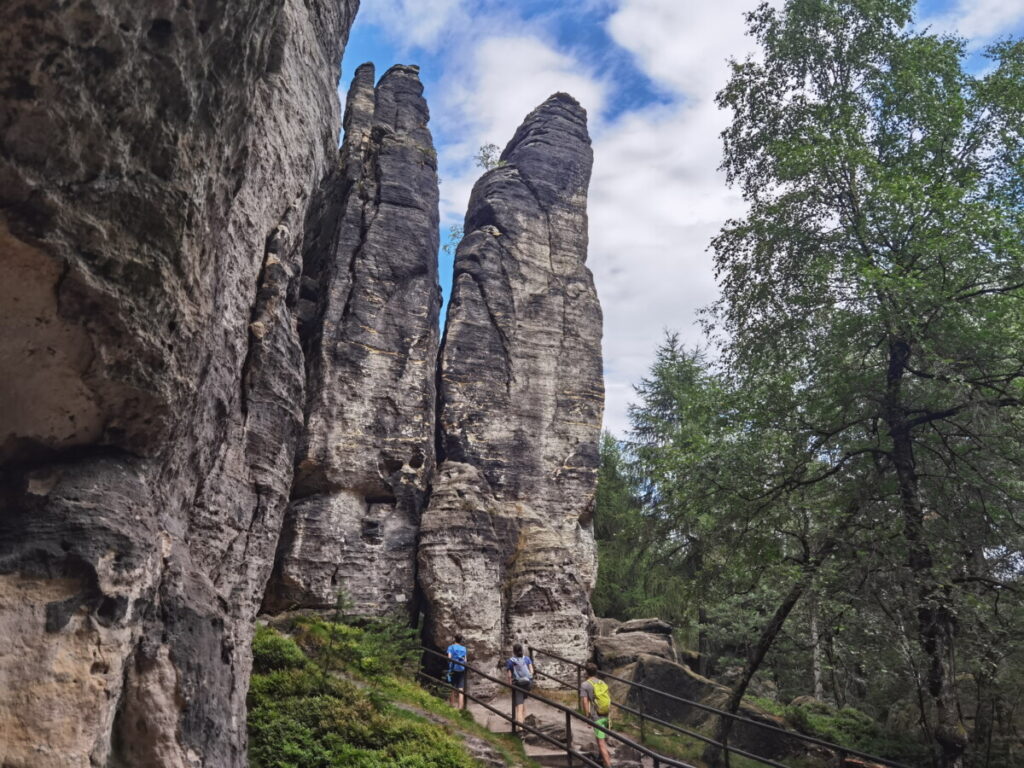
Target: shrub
272, 650
300, 717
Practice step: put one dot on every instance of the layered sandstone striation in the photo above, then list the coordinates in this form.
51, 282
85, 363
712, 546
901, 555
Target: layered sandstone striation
156, 163
371, 338
506, 544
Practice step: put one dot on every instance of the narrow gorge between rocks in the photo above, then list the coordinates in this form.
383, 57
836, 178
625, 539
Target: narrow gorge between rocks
232, 394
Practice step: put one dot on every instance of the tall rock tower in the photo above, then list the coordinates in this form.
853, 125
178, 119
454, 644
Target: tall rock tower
506, 545
370, 332
156, 165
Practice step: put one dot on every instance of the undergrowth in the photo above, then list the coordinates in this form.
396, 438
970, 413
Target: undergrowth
331, 694
303, 716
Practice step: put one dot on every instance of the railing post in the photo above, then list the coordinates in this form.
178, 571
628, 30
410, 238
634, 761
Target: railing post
568, 738
465, 686
643, 716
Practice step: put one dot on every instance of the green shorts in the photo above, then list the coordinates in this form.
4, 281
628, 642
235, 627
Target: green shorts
600, 732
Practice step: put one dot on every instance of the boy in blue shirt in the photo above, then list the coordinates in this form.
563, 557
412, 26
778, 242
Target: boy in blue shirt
520, 673
457, 672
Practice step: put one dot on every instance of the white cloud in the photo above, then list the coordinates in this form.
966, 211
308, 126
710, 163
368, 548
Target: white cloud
656, 197
510, 75
416, 23
979, 21
683, 45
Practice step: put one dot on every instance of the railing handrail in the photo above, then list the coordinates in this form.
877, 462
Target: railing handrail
721, 712
685, 731
661, 759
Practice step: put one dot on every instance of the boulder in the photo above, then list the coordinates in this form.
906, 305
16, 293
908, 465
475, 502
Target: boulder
618, 650
605, 627
687, 689
654, 626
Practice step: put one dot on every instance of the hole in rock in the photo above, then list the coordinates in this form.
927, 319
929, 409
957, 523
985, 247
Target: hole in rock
372, 532
417, 460
160, 31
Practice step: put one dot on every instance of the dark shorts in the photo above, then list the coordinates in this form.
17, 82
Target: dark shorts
519, 690
458, 679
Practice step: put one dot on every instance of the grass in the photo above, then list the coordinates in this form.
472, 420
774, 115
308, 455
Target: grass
332, 694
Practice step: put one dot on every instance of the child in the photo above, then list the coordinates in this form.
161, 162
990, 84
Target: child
597, 705
457, 672
520, 674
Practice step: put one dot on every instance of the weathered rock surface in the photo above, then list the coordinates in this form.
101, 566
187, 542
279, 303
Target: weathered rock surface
682, 682
506, 544
616, 650
371, 343
155, 165
604, 627
654, 626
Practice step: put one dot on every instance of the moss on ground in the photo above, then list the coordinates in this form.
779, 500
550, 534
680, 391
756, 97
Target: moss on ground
331, 694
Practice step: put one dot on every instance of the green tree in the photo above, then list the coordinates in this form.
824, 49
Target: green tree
871, 298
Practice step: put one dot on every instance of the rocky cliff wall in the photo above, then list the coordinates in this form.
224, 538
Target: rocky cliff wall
372, 297
156, 161
507, 550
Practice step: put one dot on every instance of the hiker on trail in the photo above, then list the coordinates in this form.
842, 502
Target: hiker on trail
457, 672
520, 675
597, 705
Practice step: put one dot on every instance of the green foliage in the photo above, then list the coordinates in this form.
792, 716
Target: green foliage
300, 719
488, 157
455, 235
855, 729
857, 442
272, 651
372, 648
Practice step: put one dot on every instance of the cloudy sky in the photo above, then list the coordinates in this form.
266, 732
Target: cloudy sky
646, 71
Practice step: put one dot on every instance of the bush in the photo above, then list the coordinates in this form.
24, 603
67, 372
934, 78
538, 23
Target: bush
375, 648
272, 651
300, 717
852, 728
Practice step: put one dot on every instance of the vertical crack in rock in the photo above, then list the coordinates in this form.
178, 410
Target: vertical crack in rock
151, 284
367, 453
506, 544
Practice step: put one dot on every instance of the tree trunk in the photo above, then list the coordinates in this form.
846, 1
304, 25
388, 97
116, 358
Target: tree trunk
819, 686
936, 625
703, 644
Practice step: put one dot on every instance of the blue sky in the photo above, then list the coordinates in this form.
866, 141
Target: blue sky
646, 70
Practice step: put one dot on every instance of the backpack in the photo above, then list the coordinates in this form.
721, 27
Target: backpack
458, 653
602, 698
521, 670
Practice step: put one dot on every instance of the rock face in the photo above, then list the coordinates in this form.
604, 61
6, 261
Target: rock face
371, 297
506, 544
682, 682
619, 649
155, 168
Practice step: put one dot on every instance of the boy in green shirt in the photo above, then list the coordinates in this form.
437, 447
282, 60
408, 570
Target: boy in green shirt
597, 706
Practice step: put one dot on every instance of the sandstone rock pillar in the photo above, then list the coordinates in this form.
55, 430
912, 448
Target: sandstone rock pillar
507, 550
156, 162
371, 299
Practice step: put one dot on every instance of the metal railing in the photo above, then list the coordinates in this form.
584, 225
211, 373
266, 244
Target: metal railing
571, 716
839, 750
